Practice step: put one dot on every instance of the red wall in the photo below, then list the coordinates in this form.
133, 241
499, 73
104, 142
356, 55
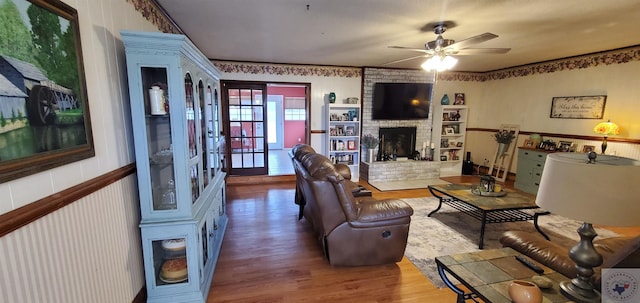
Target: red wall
292, 129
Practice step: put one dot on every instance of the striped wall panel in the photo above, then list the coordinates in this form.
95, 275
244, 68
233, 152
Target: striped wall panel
88, 251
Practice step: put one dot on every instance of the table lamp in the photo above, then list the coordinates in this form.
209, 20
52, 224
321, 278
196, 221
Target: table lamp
594, 189
606, 128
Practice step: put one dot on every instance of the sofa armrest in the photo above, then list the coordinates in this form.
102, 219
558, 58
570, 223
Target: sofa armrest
536, 247
390, 211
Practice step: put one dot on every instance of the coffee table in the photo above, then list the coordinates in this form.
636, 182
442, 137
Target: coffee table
487, 274
507, 208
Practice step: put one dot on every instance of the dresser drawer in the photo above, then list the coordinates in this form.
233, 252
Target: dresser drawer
529, 170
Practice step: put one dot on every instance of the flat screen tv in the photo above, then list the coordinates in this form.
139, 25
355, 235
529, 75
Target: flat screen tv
401, 101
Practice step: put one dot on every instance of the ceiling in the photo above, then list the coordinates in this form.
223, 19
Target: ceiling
358, 32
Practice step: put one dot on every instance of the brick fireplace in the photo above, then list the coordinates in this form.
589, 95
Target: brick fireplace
402, 169
372, 127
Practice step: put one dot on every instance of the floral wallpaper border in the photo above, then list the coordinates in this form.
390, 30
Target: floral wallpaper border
285, 69
152, 12
618, 56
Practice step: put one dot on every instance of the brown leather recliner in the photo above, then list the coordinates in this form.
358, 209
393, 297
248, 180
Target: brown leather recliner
352, 231
299, 153
623, 252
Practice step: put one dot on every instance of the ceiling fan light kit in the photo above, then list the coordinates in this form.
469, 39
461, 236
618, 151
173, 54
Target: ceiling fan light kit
439, 63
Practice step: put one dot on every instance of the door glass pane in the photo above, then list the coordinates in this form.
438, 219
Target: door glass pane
158, 123
259, 143
259, 127
247, 160
257, 113
195, 183
204, 144
234, 96
245, 97
258, 159
170, 261
190, 111
204, 235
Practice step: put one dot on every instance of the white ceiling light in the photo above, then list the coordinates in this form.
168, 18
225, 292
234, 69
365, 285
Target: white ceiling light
439, 63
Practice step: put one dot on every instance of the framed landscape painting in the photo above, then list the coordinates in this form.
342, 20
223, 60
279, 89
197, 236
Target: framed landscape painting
44, 112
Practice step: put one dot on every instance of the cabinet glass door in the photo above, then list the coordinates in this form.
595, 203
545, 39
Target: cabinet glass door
158, 124
205, 145
170, 261
217, 124
194, 172
212, 132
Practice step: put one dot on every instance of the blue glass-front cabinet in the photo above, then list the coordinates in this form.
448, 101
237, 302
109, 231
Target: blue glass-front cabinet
174, 92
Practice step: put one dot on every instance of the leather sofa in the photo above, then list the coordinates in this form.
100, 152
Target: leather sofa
353, 231
617, 252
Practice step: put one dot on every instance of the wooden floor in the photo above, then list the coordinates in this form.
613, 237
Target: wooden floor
269, 256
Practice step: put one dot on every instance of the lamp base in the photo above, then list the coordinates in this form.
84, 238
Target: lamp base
603, 147
570, 290
585, 256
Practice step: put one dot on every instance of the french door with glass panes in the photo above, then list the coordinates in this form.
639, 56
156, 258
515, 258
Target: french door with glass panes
246, 133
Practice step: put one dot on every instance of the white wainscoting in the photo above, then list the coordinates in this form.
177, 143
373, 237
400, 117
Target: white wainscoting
88, 251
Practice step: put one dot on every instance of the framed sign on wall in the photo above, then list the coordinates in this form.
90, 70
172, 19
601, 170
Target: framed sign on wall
581, 107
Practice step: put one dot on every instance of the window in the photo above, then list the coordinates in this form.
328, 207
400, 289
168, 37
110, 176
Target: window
298, 114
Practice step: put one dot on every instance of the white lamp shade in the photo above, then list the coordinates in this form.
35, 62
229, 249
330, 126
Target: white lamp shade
606, 192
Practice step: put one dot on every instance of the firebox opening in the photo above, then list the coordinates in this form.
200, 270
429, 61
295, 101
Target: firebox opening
400, 141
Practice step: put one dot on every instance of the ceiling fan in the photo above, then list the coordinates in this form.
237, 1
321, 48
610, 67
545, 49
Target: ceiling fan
439, 51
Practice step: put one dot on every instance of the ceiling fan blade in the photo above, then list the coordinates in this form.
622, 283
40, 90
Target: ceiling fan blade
403, 60
471, 40
422, 50
480, 51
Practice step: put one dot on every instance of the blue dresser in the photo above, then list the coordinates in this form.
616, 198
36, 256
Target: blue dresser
529, 170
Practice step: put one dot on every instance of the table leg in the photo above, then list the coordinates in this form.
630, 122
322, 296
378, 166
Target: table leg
484, 224
535, 223
439, 202
461, 295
